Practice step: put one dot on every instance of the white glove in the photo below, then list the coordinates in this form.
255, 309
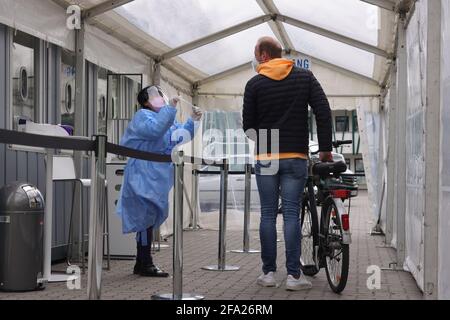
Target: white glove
174, 102
197, 114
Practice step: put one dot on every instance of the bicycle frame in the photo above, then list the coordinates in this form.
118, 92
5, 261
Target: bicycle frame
318, 228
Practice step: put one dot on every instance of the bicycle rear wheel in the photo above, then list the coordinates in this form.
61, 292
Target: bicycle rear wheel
308, 256
336, 253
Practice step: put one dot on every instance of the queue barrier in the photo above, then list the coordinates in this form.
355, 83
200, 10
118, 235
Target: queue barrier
99, 148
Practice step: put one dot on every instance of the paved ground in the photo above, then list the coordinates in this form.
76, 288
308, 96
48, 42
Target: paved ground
201, 250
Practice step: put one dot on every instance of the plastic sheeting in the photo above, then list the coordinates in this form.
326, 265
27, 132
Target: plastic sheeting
112, 54
46, 20
41, 18
444, 215
175, 24
416, 43
386, 121
369, 131
382, 187
236, 147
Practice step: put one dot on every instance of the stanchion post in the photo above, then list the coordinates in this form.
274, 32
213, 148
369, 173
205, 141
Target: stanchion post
221, 266
48, 221
247, 207
178, 230
97, 216
177, 293
223, 214
195, 200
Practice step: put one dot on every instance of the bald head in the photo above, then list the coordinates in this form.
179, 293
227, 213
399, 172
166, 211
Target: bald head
268, 48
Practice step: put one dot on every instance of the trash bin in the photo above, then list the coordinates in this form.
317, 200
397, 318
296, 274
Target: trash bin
21, 237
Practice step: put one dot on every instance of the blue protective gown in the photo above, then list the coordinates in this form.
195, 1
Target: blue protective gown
144, 197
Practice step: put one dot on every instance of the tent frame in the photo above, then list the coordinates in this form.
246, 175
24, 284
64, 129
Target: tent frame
396, 74
272, 17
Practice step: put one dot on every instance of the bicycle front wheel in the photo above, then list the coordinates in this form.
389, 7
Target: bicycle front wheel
337, 253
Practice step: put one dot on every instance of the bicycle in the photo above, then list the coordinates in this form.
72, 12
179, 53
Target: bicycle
325, 243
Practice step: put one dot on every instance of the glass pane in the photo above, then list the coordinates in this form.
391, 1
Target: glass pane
352, 18
223, 137
122, 103
228, 52
67, 89
355, 123
334, 52
101, 100
132, 86
359, 166
178, 22
342, 124
23, 80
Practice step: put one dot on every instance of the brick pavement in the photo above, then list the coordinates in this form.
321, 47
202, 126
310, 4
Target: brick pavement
200, 249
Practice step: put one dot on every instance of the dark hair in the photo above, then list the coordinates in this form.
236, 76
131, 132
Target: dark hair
271, 48
143, 97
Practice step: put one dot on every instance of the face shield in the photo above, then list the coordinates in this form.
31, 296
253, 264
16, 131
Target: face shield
156, 97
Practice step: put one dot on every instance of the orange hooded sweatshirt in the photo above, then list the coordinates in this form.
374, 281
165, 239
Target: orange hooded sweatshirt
278, 69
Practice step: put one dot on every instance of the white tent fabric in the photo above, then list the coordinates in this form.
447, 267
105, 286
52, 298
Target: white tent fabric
387, 113
381, 202
40, 18
112, 54
444, 216
343, 90
369, 131
416, 39
130, 38
175, 24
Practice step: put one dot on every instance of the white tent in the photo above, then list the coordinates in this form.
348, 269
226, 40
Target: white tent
382, 58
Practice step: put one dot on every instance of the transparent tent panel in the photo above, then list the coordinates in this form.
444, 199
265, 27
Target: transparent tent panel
352, 18
332, 51
179, 22
229, 52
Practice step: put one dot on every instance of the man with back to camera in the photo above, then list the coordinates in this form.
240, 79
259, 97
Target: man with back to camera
278, 98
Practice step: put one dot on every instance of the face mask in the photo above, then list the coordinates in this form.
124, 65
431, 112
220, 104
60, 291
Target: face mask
255, 64
157, 102
157, 97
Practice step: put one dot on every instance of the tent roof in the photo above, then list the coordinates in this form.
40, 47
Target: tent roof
202, 38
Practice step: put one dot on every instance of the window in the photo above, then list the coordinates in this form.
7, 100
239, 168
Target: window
355, 123
311, 124
359, 166
67, 89
342, 124
102, 79
23, 78
121, 99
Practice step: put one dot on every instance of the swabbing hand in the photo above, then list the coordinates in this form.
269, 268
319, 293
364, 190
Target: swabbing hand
197, 113
174, 101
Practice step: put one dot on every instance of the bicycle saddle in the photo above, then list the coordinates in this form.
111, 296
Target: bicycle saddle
327, 168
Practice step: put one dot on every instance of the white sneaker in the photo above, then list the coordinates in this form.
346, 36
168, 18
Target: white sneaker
267, 280
301, 283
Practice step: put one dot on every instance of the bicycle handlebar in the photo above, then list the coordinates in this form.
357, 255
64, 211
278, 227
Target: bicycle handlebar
336, 144
339, 143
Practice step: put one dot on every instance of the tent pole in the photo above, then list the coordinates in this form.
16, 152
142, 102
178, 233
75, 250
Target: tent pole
432, 151
402, 95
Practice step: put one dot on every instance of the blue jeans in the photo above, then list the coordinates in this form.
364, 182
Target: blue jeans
289, 181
